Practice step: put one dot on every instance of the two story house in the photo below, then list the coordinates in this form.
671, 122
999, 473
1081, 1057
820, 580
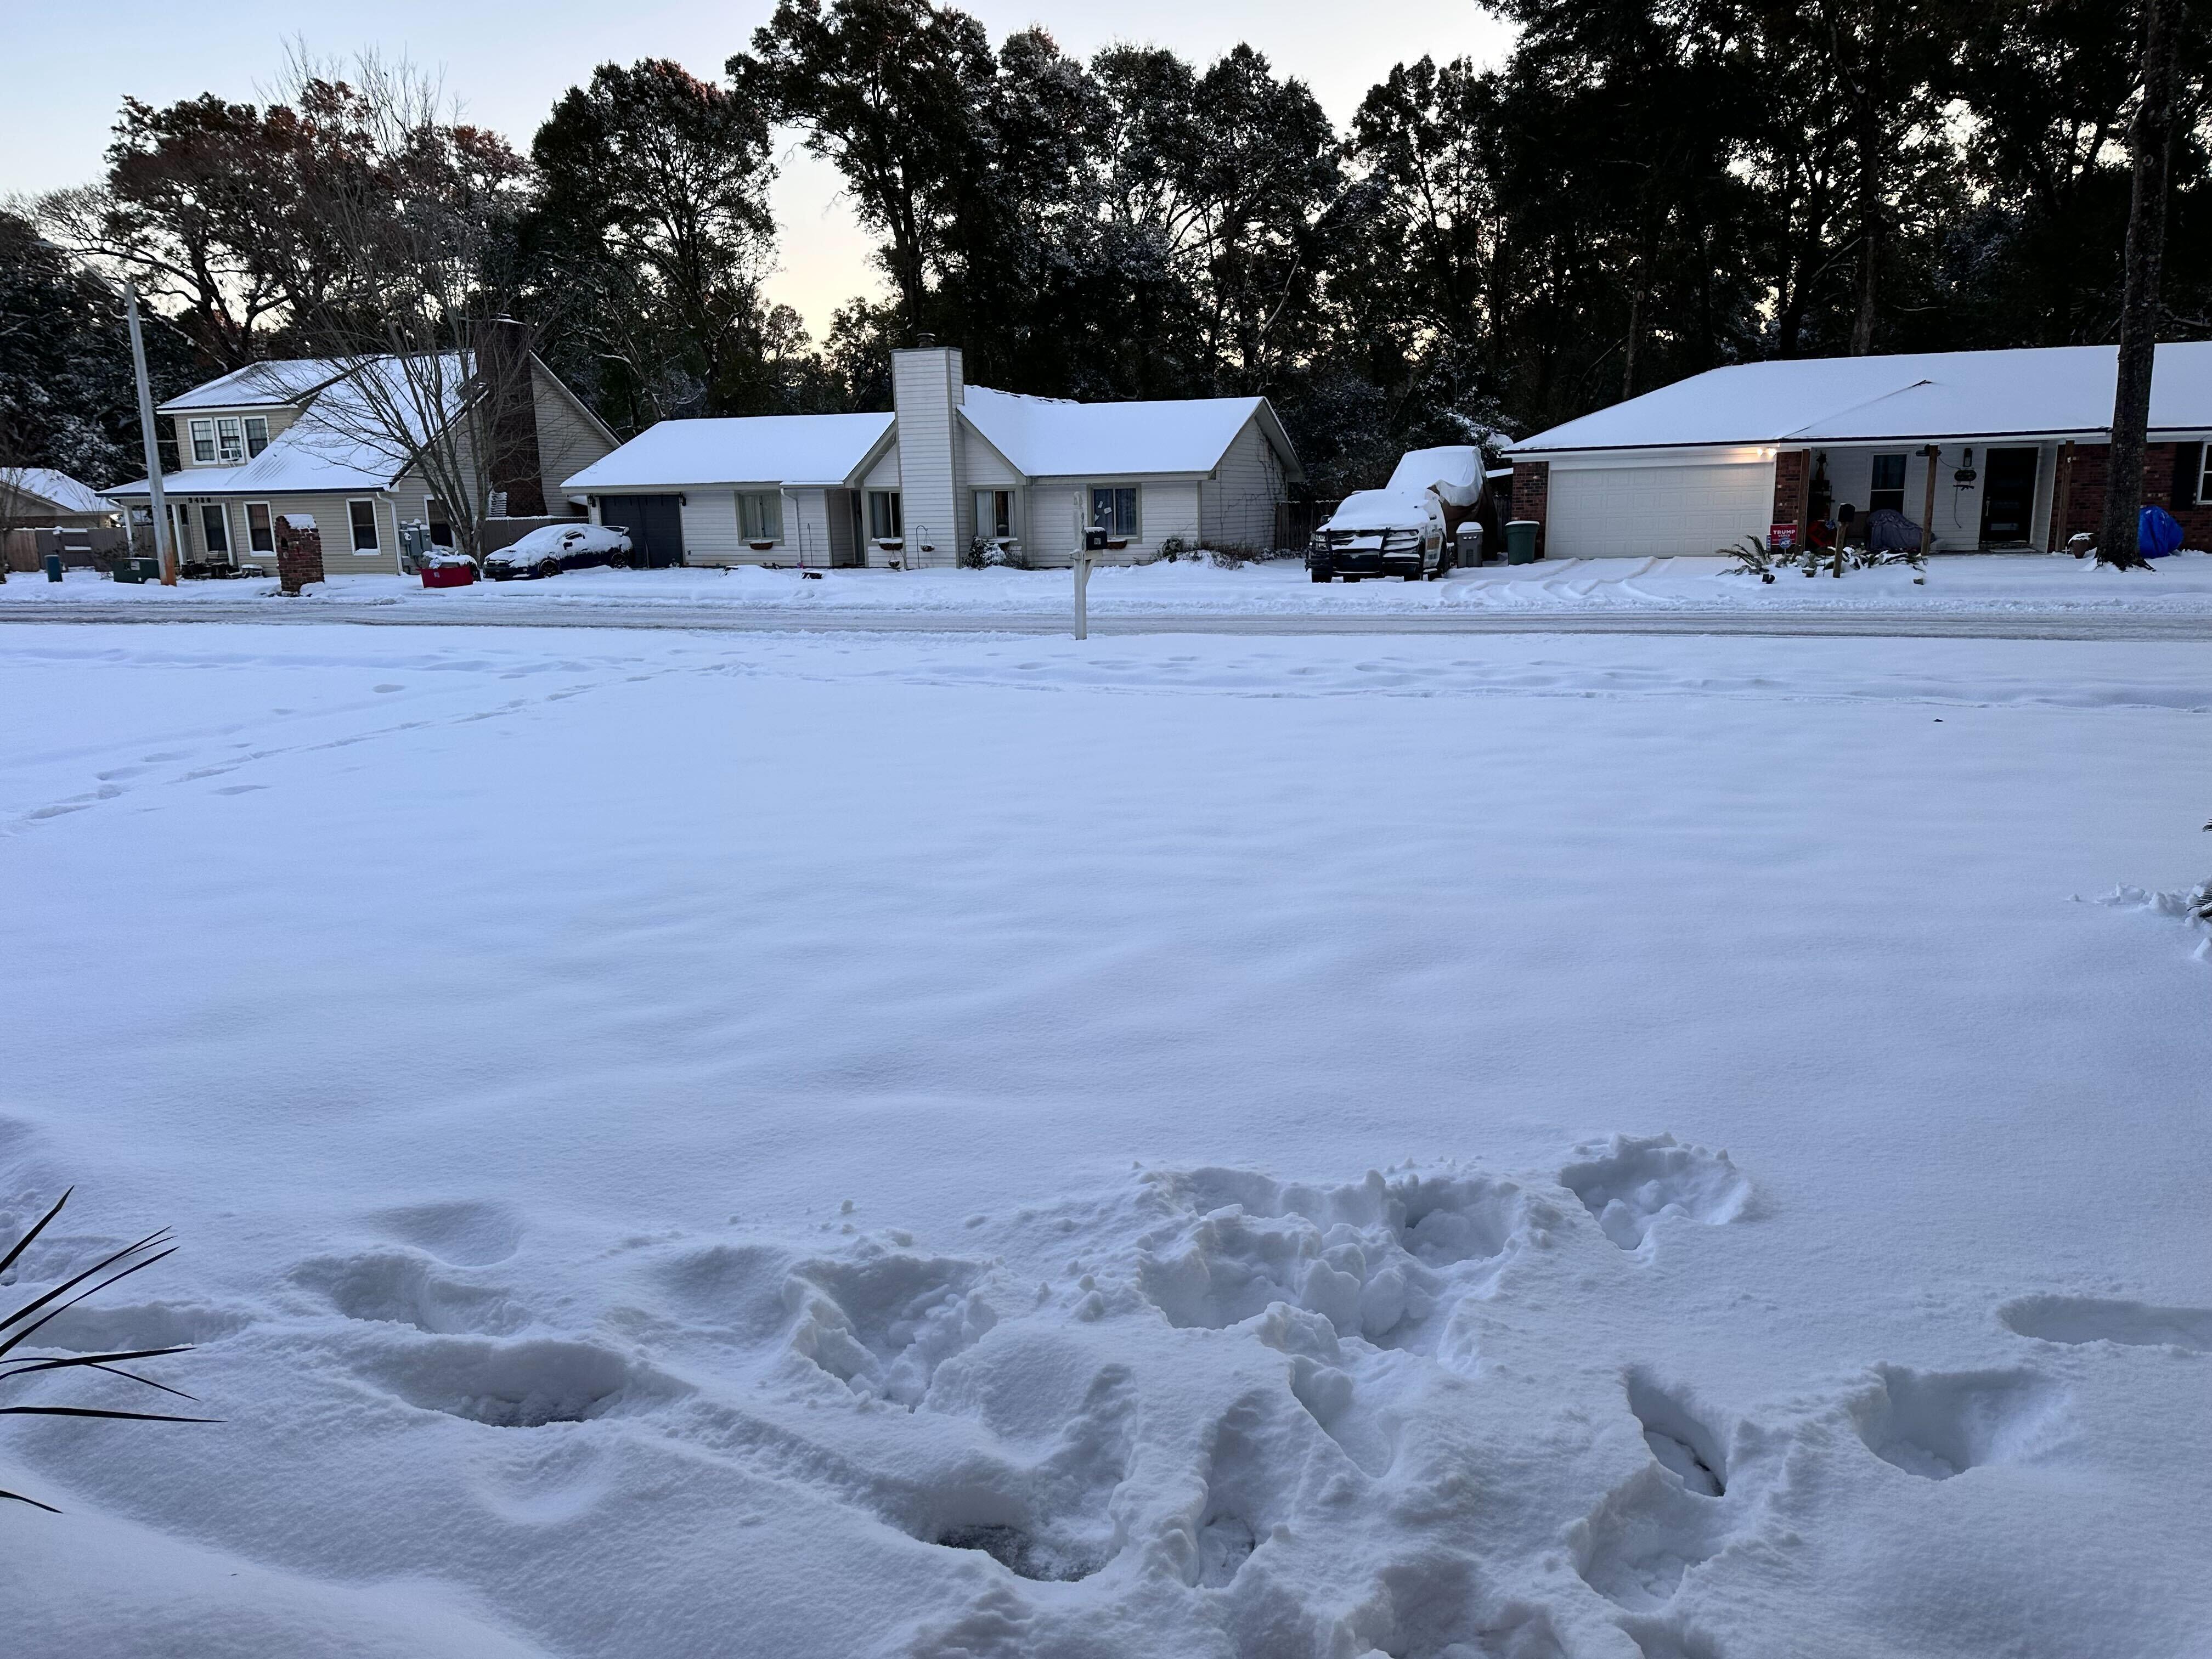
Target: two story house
291, 437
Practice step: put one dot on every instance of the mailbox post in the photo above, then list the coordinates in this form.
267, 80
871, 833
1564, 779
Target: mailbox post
1094, 544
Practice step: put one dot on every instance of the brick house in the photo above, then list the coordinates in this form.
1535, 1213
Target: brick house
2017, 442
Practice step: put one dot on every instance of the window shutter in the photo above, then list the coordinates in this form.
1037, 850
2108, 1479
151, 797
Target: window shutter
2188, 467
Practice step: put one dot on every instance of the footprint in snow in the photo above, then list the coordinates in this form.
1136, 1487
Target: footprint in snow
2080, 1319
1629, 1182
1938, 1424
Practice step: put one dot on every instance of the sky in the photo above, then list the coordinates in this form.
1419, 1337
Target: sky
507, 63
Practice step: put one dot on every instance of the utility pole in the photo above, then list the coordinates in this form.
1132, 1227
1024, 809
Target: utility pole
2151, 140
165, 547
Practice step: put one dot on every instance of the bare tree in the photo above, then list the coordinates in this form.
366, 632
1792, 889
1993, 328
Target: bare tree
434, 378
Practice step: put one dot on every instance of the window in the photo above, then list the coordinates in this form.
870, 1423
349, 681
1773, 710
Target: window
760, 516
204, 443
994, 514
1888, 487
256, 434
441, 522
363, 514
261, 528
883, 515
230, 440
1114, 509
215, 530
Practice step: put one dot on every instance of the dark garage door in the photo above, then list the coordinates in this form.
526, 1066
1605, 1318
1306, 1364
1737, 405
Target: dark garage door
655, 524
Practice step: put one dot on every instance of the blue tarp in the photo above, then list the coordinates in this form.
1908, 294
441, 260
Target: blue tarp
2157, 533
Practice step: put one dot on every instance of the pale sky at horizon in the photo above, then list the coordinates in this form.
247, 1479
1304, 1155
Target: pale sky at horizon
508, 62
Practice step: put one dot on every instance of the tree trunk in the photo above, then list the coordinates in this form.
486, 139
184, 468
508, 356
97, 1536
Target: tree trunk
2151, 139
1871, 141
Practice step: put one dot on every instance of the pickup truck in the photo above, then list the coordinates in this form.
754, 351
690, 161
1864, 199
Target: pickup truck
1435, 513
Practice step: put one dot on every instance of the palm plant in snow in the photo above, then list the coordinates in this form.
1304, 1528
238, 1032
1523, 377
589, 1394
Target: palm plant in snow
18, 1325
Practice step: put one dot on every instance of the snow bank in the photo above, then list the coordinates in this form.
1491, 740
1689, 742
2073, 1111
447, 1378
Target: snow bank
1981, 586
855, 1145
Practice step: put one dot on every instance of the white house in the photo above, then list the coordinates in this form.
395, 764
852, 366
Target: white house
2016, 440
953, 464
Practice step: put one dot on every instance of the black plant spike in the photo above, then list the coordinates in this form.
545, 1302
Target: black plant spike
17, 1325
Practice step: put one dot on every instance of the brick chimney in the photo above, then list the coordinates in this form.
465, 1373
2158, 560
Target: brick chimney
506, 381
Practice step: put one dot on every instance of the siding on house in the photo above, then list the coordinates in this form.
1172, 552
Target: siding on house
1059, 509
1237, 506
568, 438
710, 529
885, 474
331, 518
279, 415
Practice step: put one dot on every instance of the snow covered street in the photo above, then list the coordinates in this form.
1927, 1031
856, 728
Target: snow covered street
1987, 595
1535, 1147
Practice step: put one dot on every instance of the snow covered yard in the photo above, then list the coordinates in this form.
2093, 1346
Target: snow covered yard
820, 1146
1981, 584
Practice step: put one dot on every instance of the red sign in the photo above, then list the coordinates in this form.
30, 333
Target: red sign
1782, 535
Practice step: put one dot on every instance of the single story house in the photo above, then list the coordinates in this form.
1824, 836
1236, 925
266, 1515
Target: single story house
2017, 442
40, 498
951, 465
292, 437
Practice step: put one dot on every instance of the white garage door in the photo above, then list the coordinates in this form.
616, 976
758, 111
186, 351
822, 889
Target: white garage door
1656, 512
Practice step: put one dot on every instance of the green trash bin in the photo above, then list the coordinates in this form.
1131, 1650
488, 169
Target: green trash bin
1521, 541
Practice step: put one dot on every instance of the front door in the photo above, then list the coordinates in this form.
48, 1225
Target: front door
2008, 497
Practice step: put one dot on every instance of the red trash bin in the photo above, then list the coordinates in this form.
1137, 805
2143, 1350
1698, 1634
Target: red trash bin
458, 573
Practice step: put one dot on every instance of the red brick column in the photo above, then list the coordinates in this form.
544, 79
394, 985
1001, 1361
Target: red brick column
2084, 492
299, 552
1532, 494
1793, 488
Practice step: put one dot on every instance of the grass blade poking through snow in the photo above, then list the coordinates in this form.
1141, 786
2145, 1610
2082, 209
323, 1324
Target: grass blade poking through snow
18, 1325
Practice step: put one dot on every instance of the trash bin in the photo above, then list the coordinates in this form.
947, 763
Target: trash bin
137, 568
1521, 541
53, 563
449, 573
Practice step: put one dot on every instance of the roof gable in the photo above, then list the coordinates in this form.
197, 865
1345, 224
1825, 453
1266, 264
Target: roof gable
1050, 437
56, 489
769, 449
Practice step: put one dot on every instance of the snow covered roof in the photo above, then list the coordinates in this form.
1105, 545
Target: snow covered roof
1048, 437
58, 489
2042, 392
341, 440
774, 449
284, 381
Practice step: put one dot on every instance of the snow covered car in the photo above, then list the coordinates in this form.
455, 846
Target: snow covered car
1437, 500
550, 548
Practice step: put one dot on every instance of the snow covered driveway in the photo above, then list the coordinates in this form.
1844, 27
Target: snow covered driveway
1524, 1147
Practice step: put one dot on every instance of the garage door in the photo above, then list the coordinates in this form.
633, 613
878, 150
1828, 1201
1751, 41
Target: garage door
1656, 512
655, 524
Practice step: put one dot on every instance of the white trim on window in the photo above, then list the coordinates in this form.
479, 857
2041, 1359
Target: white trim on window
354, 528
256, 532
202, 441
256, 434
1124, 520
760, 516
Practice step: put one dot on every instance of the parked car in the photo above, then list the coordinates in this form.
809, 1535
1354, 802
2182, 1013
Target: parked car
1430, 517
550, 548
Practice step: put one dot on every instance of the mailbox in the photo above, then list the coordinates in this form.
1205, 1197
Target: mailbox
1094, 540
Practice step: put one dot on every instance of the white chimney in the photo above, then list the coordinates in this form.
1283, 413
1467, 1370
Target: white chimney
927, 386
